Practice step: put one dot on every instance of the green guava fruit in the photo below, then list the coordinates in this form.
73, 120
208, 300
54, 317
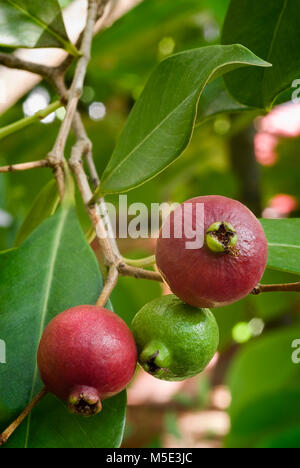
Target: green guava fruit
175, 341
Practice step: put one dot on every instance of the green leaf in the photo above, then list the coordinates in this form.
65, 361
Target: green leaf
264, 367
283, 243
33, 24
264, 417
271, 30
265, 387
53, 270
161, 124
53, 426
43, 207
288, 438
216, 100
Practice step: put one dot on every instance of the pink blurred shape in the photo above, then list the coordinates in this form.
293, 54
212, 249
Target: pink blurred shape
146, 389
281, 122
265, 149
284, 204
280, 206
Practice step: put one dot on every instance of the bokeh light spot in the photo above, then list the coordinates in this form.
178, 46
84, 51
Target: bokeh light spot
242, 332
166, 46
97, 111
37, 100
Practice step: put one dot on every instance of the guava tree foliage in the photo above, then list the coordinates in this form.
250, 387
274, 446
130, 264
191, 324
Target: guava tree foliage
52, 267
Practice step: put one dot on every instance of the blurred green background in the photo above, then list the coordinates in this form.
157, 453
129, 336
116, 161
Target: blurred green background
254, 367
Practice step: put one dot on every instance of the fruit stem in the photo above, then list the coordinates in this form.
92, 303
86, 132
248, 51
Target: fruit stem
11, 429
84, 401
287, 287
142, 262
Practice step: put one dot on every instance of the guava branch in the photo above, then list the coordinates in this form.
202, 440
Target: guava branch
25, 166
12, 61
11, 429
75, 92
124, 270
78, 81
110, 284
139, 273
100, 219
287, 287
54, 75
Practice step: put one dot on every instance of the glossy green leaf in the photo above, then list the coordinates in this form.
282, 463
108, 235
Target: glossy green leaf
265, 387
54, 269
53, 426
216, 100
288, 438
264, 366
263, 417
43, 206
283, 243
33, 24
271, 30
161, 124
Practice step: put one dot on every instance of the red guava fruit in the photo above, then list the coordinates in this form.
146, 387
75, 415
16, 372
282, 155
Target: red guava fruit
231, 261
86, 354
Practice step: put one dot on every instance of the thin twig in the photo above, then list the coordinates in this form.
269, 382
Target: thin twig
110, 284
77, 84
25, 166
11, 429
101, 222
287, 287
92, 210
142, 262
81, 135
54, 75
57, 153
139, 273
26, 121
12, 61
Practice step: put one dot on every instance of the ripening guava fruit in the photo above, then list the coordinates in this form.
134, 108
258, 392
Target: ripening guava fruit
175, 341
86, 354
229, 264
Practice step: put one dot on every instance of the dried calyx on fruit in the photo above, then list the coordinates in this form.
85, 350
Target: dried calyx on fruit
86, 354
221, 237
231, 261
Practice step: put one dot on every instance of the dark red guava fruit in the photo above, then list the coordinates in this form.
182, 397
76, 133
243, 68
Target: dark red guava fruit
227, 267
86, 354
